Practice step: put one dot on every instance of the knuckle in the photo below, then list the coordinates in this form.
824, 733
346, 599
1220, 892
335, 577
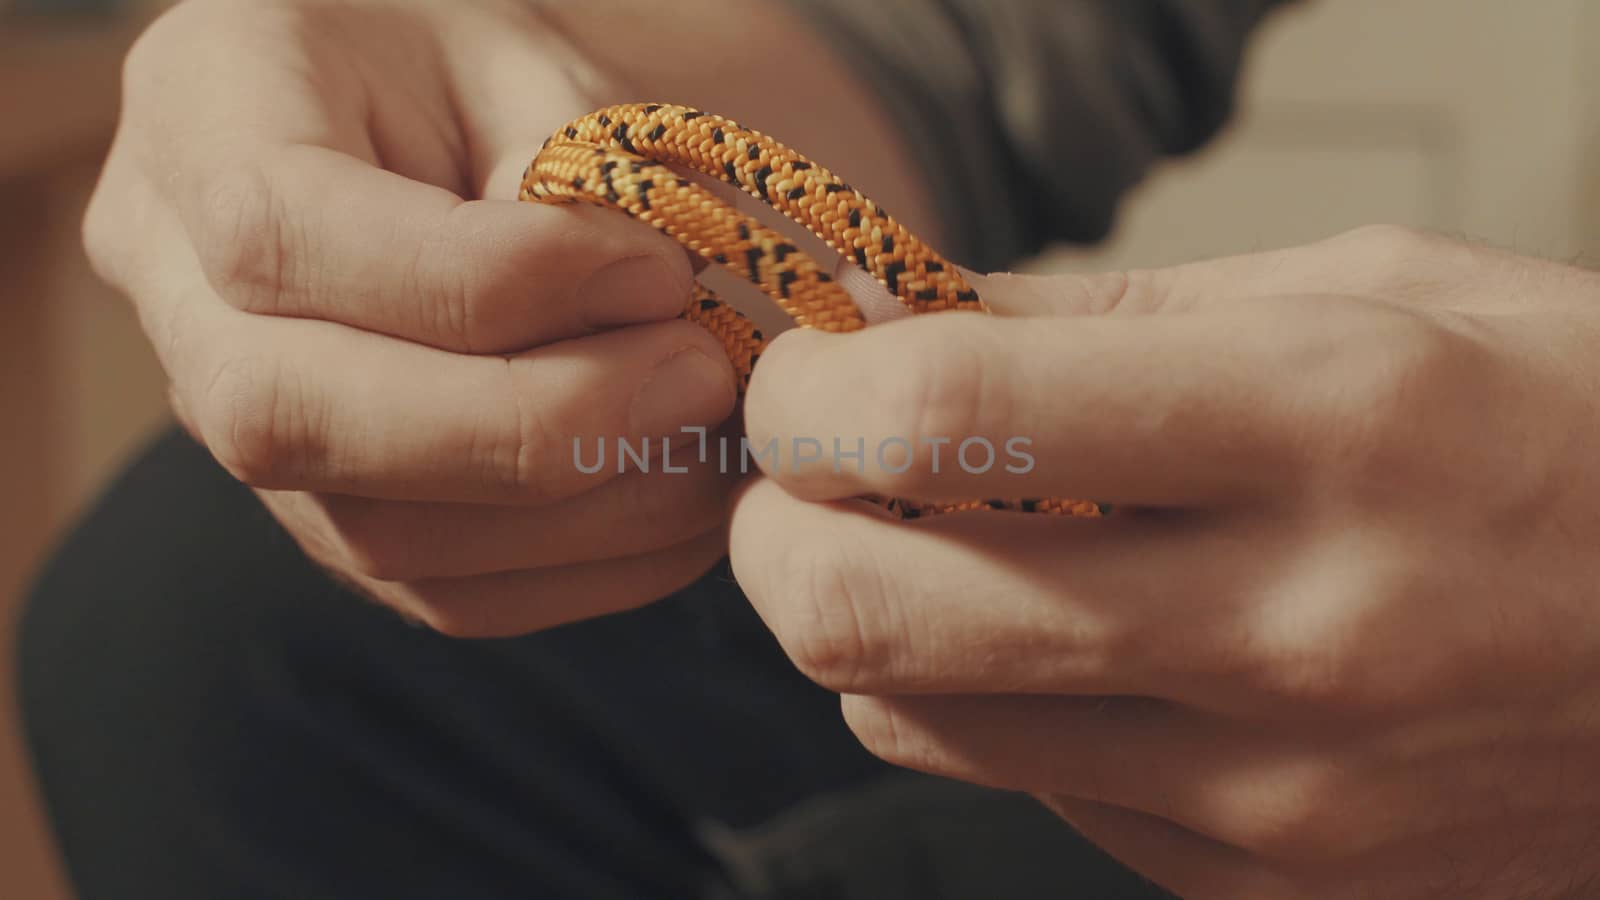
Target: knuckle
114, 237
886, 734
250, 422
1388, 249
455, 321
454, 291
243, 244
1402, 375
946, 396
1325, 642
518, 449
104, 239
444, 617
1402, 264
171, 45
1118, 291
375, 542
314, 542
1296, 818
382, 554
473, 311
1302, 679
1314, 674
1288, 666
455, 608
824, 624
151, 52
1422, 354
426, 604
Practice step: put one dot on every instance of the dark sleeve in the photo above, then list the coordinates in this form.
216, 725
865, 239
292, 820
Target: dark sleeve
1031, 118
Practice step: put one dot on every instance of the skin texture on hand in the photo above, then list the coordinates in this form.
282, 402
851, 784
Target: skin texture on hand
311, 205
1343, 639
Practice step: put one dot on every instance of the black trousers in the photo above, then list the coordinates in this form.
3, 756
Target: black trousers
212, 717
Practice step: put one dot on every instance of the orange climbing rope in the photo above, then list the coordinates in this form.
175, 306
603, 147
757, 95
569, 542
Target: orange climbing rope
629, 158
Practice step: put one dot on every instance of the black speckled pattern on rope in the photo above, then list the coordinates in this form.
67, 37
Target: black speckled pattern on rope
622, 157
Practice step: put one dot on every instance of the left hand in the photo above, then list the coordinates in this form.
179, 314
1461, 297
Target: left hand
1344, 640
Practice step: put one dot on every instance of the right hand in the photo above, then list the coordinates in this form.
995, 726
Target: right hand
399, 368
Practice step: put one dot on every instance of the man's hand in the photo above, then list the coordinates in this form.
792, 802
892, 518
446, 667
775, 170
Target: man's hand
1343, 639
400, 368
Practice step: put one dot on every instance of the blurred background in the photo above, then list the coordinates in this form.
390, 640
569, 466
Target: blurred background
1480, 118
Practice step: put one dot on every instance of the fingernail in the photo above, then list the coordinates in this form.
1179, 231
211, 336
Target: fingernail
688, 390
632, 290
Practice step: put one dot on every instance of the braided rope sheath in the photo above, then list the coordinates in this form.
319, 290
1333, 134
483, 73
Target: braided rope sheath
623, 158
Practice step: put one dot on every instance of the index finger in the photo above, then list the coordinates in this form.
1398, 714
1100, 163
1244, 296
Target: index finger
1178, 410
310, 232
276, 159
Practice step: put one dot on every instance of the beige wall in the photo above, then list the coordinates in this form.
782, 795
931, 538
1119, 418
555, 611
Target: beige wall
1476, 117
1472, 116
